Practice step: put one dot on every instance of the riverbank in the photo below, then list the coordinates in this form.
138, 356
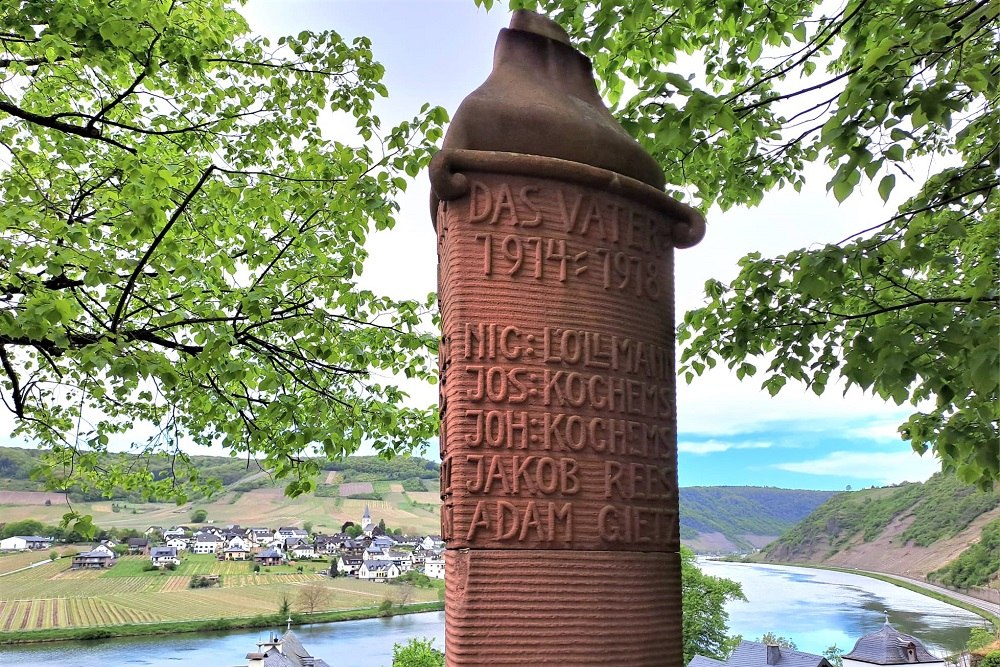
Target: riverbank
817, 608
176, 627
908, 585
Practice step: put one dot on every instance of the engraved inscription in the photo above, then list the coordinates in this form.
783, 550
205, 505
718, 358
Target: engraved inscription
564, 433
502, 520
556, 431
559, 346
569, 389
629, 524
523, 475
537, 257
529, 256
592, 216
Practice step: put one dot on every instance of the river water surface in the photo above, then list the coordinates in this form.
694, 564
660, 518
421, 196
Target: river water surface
814, 608
819, 608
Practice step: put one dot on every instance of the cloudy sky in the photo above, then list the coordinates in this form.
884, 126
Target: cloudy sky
730, 432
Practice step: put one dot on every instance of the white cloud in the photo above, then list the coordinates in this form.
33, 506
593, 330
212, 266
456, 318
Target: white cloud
880, 431
716, 446
878, 467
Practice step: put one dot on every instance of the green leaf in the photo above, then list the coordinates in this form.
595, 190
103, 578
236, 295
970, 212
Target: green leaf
885, 186
894, 153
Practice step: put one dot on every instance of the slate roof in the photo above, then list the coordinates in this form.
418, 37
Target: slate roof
702, 661
754, 654
163, 552
270, 553
375, 565
888, 646
291, 654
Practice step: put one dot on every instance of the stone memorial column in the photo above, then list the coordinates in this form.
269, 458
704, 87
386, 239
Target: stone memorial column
558, 425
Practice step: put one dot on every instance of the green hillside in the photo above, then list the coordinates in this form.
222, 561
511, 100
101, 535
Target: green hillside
738, 518
935, 510
17, 466
978, 565
741, 511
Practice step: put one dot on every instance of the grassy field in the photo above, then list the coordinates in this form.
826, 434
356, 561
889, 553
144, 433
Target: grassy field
52, 596
15, 560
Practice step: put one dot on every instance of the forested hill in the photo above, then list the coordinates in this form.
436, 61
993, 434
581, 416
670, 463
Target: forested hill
16, 465
913, 528
740, 518
714, 519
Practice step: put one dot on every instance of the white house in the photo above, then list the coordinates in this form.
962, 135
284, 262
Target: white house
402, 559
161, 556
285, 532
100, 557
25, 543
297, 548
239, 542
176, 531
431, 542
206, 543
378, 570
14, 543
178, 543
261, 535
434, 567
349, 564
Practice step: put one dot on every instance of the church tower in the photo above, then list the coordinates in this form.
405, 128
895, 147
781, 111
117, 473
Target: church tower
366, 520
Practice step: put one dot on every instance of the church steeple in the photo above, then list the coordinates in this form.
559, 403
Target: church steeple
366, 519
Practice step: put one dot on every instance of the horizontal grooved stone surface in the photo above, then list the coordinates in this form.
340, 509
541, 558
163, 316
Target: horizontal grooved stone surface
570, 608
557, 371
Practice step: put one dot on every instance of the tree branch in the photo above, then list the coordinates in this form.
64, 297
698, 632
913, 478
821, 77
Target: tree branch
902, 306
929, 207
775, 98
130, 285
16, 394
55, 124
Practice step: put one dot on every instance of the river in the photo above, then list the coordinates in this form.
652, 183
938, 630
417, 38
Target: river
819, 608
814, 608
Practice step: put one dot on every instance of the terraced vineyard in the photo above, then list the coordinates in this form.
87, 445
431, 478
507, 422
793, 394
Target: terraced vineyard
53, 596
16, 560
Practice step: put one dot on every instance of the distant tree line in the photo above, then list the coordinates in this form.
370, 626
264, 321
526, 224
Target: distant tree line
375, 469
744, 510
17, 466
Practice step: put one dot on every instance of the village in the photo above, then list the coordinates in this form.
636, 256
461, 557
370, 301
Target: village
364, 551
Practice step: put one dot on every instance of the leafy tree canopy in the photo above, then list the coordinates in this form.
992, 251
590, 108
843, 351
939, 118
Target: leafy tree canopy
705, 620
179, 242
777, 640
417, 653
736, 99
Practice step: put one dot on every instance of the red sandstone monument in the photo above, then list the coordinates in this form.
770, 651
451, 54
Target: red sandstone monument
558, 424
